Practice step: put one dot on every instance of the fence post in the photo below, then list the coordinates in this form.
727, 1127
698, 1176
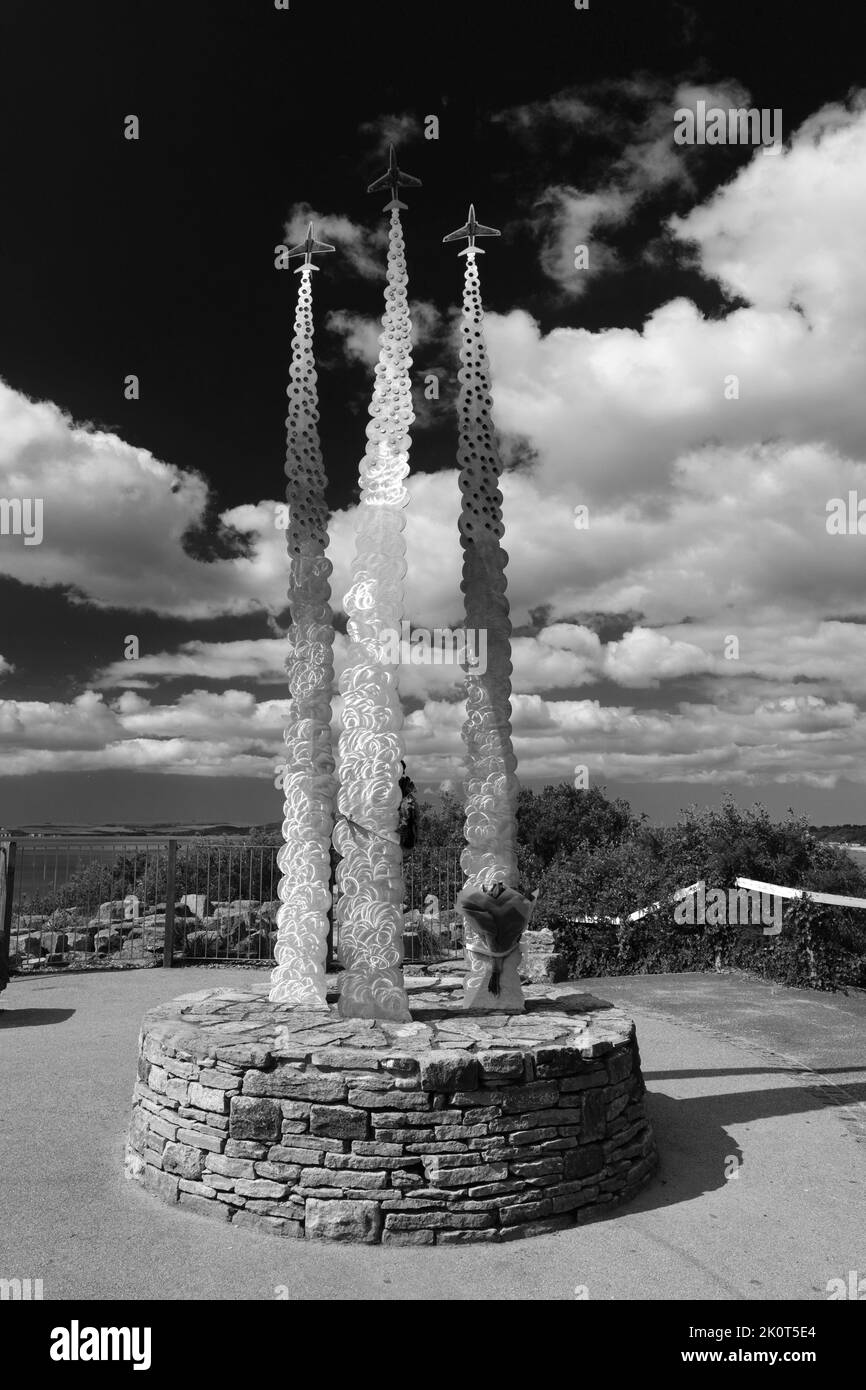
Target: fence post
171, 868
8, 852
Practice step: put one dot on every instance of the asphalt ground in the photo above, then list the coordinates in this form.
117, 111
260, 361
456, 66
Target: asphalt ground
757, 1095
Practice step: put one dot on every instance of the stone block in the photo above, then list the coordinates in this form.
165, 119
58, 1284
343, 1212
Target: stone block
449, 1071
338, 1122
268, 1224
409, 1119
245, 1055
501, 1064
183, 1160
217, 1211
219, 1123
291, 1083
160, 1126
245, 1148
537, 1095
593, 1115
545, 1227
279, 1172
260, 1188
357, 1163
467, 1237
619, 1066
295, 1109
408, 1238
404, 1137
584, 1082
157, 1078
188, 1071
558, 1061
230, 1167
390, 1101
138, 1129
208, 1098
537, 1168
401, 1066
215, 1079
198, 1139
283, 1153
446, 1133
345, 1059
522, 1137
163, 1184
376, 1150
328, 1177
438, 1220
583, 1161
469, 1177
251, 1118
199, 1189
346, 1221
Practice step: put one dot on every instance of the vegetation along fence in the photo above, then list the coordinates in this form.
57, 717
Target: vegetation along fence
89, 903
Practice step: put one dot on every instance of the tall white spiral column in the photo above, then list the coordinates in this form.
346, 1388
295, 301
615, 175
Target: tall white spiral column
310, 784
491, 786
370, 874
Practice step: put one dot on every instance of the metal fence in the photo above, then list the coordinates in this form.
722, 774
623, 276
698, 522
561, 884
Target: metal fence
92, 902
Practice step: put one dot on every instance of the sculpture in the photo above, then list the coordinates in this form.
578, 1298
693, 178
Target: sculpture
499, 917
370, 873
366, 834
309, 784
490, 857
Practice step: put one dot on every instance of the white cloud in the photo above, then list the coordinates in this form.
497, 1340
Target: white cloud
363, 247
361, 334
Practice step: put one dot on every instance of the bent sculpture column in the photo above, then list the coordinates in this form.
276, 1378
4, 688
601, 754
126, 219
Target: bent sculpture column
491, 786
310, 785
370, 873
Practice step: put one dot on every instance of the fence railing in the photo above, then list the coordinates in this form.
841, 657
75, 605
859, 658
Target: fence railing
91, 902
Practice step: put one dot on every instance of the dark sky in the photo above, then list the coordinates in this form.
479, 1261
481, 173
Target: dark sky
156, 256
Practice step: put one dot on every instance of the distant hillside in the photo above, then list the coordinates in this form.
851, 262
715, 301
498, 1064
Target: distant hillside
141, 830
841, 834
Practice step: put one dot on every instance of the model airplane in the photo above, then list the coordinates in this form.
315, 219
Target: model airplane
468, 233
393, 181
309, 248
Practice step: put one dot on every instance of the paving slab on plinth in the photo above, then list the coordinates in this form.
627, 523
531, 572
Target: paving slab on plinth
446, 1130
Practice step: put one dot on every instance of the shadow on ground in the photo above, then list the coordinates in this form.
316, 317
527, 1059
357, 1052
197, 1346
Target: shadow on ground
33, 1018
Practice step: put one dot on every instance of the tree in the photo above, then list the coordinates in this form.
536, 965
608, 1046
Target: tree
563, 818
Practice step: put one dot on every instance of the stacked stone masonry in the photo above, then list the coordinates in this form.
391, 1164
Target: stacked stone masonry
450, 1129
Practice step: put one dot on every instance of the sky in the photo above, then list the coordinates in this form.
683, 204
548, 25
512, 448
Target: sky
677, 408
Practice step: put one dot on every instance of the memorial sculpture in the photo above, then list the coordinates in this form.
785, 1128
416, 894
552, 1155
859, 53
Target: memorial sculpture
309, 781
277, 1112
490, 858
364, 780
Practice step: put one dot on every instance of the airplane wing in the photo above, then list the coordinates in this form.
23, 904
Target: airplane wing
320, 248
408, 181
485, 231
298, 250
381, 185
463, 233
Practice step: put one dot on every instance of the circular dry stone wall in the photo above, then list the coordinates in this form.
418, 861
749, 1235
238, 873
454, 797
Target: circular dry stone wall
449, 1129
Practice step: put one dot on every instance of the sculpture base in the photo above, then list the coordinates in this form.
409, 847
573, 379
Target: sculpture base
478, 996
442, 1131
